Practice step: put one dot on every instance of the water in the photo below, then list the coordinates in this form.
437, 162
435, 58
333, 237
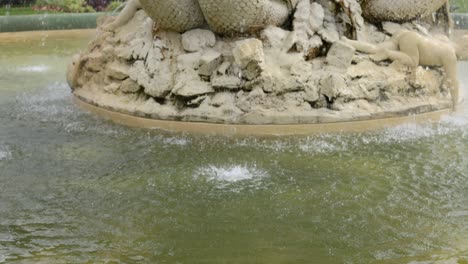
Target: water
78, 189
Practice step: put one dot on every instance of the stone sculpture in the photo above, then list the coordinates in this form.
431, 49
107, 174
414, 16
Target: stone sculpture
264, 62
232, 17
399, 10
413, 50
223, 16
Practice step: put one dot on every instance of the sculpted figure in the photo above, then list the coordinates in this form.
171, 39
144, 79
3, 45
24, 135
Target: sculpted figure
127, 13
413, 49
231, 17
223, 16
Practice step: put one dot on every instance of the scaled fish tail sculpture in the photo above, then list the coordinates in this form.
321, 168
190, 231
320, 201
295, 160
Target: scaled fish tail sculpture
232, 17
223, 16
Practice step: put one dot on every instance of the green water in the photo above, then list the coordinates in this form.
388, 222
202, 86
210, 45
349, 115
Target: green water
78, 189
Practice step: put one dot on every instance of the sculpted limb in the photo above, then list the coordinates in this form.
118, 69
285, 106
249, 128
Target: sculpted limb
412, 49
450, 68
461, 48
377, 49
127, 13
409, 51
382, 51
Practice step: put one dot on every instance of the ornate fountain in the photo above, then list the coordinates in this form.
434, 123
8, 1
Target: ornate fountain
271, 62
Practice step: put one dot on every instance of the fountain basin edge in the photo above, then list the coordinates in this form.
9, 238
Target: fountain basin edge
48, 22
260, 130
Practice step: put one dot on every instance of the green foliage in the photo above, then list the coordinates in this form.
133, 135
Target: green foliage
17, 2
69, 6
113, 6
18, 11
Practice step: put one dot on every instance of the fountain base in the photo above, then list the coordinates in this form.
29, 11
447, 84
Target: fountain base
260, 130
249, 82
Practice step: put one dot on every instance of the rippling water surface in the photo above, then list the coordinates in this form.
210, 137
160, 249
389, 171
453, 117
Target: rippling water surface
78, 189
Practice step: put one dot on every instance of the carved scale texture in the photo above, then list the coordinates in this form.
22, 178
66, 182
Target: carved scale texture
399, 10
223, 16
244, 16
174, 15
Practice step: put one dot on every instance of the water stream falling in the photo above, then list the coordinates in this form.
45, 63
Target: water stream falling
75, 188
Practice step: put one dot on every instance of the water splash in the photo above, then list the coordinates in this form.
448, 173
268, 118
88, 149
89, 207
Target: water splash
35, 68
176, 141
234, 173
5, 153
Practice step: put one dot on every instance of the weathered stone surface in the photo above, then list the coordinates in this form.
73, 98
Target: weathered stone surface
197, 101
362, 69
139, 74
95, 62
226, 82
209, 62
332, 86
252, 71
340, 55
192, 88
302, 26
117, 70
275, 37
222, 99
426, 80
311, 92
302, 70
317, 14
295, 100
130, 86
198, 39
280, 84
112, 88
290, 41
189, 61
159, 87
370, 33
329, 33
223, 68
391, 27
249, 51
